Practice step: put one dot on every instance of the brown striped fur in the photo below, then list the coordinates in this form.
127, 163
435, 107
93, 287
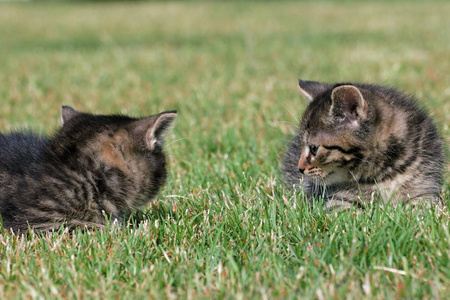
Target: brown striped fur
362, 142
95, 165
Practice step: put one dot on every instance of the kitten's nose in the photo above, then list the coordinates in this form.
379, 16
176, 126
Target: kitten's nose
302, 164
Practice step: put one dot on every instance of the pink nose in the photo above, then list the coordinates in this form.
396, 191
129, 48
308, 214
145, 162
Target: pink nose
302, 165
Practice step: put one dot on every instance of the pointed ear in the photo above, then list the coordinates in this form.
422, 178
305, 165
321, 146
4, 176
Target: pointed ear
67, 113
348, 102
153, 129
312, 89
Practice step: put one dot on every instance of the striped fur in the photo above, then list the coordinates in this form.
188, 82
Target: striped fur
358, 142
95, 165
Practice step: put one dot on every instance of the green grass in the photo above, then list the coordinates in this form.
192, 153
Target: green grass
224, 226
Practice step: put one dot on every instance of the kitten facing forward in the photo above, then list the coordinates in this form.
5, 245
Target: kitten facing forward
358, 142
95, 165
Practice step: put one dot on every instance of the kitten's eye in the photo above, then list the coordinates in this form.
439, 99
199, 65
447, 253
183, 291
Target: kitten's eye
313, 149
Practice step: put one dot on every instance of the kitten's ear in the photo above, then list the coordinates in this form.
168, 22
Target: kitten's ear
154, 128
67, 113
348, 102
312, 89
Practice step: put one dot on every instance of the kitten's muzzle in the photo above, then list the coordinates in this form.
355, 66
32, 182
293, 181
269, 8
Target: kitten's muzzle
302, 165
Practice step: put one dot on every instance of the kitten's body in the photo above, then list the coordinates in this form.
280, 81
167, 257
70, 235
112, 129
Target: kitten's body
372, 142
92, 167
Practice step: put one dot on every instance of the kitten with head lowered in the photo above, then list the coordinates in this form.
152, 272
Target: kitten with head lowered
93, 166
358, 142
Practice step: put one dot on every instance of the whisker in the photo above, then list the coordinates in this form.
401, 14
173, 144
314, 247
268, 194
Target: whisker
353, 175
366, 161
288, 122
173, 142
292, 115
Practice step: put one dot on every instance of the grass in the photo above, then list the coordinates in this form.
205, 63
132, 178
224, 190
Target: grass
224, 226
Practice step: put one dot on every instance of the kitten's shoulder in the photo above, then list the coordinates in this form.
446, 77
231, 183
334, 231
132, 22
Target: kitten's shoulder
21, 150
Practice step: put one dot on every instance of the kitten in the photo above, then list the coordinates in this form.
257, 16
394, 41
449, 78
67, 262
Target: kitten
94, 165
358, 142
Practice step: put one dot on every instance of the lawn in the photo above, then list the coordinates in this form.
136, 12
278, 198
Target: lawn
224, 226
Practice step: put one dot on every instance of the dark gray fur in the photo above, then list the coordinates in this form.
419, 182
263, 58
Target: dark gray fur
406, 158
95, 165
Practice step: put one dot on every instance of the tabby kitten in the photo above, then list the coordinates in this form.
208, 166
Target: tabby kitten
358, 142
95, 165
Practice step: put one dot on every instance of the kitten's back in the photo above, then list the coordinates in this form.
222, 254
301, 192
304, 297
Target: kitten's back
20, 152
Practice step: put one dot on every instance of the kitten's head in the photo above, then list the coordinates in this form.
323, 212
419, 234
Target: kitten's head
332, 130
126, 151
